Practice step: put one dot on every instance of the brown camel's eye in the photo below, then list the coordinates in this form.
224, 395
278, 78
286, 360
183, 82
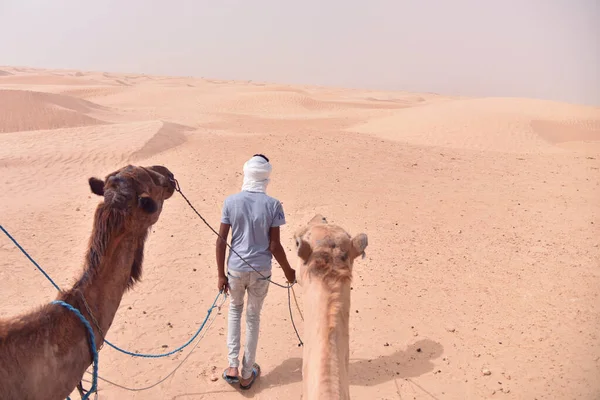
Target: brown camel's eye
147, 204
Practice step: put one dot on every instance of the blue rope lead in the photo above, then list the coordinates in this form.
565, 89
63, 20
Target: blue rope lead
106, 341
92, 345
210, 310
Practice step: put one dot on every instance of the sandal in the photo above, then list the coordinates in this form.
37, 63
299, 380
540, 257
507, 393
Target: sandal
255, 374
230, 379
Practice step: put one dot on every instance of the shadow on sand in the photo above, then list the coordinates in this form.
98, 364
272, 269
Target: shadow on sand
415, 361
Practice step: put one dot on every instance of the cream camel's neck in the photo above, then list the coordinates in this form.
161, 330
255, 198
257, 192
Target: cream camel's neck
326, 347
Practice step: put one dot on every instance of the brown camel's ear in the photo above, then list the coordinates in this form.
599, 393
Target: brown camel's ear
359, 244
146, 203
97, 186
303, 248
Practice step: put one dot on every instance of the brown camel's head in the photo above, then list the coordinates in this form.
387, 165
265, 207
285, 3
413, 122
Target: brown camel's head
137, 193
327, 251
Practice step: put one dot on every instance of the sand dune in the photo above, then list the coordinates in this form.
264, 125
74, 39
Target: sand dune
275, 102
44, 79
289, 103
115, 143
90, 92
493, 124
482, 216
168, 136
26, 110
78, 150
586, 130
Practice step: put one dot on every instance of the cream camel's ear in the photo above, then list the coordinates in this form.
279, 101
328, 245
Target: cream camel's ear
97, 186
317, 219
303, 248
359, 244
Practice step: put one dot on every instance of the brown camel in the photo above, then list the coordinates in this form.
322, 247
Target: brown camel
44, 353
327, 253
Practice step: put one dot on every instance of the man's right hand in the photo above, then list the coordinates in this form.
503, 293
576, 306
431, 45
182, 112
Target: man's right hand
290, 275
223, 284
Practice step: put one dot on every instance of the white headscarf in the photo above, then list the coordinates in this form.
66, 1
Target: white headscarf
256, 175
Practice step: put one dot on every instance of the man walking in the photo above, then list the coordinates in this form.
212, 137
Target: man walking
254, 219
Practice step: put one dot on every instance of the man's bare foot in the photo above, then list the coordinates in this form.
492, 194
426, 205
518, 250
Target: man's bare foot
231, 375
246, 382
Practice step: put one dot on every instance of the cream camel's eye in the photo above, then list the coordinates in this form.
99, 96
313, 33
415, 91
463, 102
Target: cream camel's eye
297, 242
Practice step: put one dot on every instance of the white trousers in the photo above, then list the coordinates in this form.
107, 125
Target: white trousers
257, 288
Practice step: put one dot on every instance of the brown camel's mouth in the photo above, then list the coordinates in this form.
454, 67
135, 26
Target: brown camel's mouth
163, 177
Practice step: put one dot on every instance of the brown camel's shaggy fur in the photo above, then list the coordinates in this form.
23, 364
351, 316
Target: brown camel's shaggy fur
44, 353
327, 253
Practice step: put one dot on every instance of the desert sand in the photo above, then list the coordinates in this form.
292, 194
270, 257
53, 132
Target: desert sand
483, 219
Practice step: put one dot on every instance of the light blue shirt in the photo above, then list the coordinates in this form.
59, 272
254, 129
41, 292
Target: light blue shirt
251, 216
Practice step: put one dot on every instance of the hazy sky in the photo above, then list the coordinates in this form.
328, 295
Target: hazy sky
533, 48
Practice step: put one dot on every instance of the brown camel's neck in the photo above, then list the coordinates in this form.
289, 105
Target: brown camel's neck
105, 292
112, 255
326, 351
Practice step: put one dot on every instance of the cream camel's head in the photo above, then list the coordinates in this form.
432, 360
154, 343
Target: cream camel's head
326, 251
136, 194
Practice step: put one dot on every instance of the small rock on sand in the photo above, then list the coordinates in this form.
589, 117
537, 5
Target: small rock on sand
486, 372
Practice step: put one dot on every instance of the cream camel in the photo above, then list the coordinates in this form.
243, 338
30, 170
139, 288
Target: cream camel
327, 254
44, 353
